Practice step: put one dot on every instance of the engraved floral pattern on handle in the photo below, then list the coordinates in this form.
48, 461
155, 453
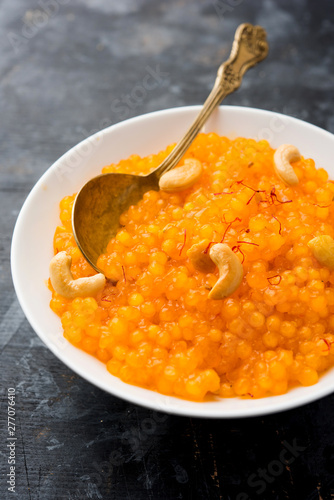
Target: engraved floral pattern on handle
249, 47
254, 37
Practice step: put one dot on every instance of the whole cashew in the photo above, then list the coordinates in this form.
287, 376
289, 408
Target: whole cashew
183, 177
200, 258
283, 155
323, 250
64, 284
230, 271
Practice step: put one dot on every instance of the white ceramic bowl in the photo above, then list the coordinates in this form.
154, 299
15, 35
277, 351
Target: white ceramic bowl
150, 133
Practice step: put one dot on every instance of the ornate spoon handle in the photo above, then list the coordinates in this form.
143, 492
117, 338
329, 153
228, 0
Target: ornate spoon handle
249, 47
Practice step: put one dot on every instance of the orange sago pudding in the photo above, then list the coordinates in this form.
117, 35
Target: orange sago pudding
223, 287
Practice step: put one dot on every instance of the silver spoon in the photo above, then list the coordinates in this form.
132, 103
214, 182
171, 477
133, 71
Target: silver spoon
101, 201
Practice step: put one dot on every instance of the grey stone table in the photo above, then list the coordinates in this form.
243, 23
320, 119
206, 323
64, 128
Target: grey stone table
67, 68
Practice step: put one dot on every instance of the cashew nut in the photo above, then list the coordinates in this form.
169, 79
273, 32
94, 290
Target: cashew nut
200, 258
183, 177
284, 154
323, 250
64, 284
230, 271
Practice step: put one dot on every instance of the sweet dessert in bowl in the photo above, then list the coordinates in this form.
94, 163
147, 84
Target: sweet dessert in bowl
260, 340
221, 283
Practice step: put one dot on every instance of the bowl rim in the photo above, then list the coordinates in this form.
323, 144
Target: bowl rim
171, 404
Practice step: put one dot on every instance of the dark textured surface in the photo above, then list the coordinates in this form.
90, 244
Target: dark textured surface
64, 74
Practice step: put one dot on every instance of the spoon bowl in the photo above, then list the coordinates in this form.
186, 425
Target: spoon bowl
98, 206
